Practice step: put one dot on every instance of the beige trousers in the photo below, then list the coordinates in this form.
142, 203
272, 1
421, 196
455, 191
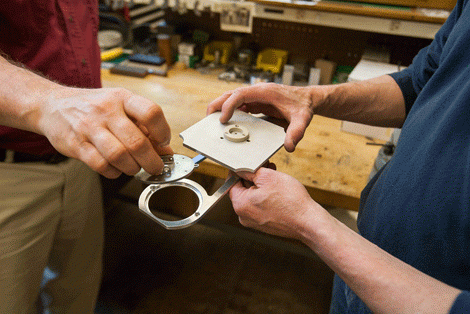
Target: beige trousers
50, 215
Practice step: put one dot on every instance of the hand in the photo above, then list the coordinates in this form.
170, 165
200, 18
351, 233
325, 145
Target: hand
112, 130
279, 101
275, 203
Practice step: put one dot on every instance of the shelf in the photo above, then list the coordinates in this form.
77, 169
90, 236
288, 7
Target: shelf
401, 21
385, 20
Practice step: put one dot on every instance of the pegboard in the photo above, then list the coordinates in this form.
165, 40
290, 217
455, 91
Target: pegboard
304, 41
310, 42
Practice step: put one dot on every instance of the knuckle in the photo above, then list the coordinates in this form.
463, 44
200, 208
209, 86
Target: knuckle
100, 165
83, 124
136, 143
119, 92
116, 154
153, 112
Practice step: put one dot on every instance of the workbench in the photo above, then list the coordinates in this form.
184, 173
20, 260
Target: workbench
333, 165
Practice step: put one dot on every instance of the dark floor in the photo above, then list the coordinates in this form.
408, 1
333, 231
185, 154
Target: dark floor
207, 268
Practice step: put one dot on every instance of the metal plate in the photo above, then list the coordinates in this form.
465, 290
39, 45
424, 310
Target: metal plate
206, 202
177, 168
207, 138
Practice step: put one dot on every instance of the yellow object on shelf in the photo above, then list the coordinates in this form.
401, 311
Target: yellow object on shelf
111, 54
224, 49
271, 60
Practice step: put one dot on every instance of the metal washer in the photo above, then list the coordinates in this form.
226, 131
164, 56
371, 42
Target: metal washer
181, 167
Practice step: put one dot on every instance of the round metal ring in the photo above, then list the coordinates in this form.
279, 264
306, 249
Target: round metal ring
178, 224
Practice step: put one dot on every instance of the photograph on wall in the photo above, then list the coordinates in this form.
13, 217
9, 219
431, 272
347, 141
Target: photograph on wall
236, 17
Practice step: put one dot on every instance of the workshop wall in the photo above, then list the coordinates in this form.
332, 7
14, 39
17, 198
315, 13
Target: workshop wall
304, 42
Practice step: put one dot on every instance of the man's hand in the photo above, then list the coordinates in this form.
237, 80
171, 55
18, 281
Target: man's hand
112, 130
274, 202
279, 101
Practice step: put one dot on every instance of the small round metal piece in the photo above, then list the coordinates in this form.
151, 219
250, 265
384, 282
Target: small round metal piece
175, 168
236, 133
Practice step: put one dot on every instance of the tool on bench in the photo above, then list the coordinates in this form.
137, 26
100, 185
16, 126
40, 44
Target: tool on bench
245, 143
138, 70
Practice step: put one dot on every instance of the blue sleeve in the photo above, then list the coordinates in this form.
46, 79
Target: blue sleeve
412, 79
461, 304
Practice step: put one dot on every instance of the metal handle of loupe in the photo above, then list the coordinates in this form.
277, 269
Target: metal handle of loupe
206, 202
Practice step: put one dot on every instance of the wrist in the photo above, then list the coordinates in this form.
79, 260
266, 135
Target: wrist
321, 96
22, 94
311, 224
35, 104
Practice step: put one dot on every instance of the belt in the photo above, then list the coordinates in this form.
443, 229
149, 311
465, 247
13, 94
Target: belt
11, 156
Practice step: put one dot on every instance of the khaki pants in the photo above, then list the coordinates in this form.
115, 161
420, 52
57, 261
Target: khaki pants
50, 215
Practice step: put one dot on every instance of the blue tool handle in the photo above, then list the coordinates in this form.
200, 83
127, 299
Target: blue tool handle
198, 159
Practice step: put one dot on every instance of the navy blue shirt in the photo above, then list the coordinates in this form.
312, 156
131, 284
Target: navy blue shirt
417, 207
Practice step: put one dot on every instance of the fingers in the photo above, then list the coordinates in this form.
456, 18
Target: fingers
216, 105
249, 176
294, 133
132, 136
234, 101
129, 149
151, 116
260, 177
164, 150
292, 104
90, 156
149, 140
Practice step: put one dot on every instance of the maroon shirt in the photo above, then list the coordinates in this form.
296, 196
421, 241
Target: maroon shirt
57, 38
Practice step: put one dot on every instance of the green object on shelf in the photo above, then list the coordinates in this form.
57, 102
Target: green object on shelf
200, 37
189, 61
341, 74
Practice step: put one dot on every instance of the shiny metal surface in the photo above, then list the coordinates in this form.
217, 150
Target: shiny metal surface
175, 167
206, 202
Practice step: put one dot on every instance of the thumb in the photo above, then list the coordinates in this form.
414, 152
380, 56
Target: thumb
249, 176
236, 190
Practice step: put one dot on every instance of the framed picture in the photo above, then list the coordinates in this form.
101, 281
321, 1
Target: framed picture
236, 16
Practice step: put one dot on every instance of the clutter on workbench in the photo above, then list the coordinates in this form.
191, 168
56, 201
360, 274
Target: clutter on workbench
111, 54
241, 68
189, 50
110, 38
217, 53
187, 54
164, 33
146, 59
271, 59
327, 70
128, 70
164, 48
365, 70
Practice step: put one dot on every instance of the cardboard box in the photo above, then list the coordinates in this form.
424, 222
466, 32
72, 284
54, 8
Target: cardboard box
186, 48
434, 4
327, 70
365, 70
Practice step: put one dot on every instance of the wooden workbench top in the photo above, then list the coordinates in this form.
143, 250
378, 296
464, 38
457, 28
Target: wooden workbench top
333, 165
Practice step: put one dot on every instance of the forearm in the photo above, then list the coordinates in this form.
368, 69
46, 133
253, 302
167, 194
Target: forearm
383, 282
21, 94
376, 102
